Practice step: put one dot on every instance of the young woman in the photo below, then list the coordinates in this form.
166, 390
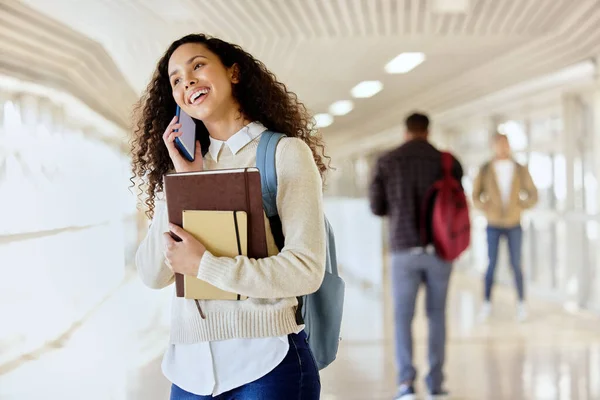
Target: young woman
251, 349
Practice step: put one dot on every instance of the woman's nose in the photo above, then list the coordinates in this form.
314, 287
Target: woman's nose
190, 83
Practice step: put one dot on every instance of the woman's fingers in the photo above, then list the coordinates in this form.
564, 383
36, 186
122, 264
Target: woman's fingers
172, 132
175, 129
170, 128
169, 136
173, 135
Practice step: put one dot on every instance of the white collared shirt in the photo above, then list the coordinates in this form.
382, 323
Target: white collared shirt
213, 368
505, 172
238, 141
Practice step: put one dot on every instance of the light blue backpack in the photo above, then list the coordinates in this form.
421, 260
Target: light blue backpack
321, 311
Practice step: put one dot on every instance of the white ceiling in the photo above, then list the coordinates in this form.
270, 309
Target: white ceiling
322, 48
51, 56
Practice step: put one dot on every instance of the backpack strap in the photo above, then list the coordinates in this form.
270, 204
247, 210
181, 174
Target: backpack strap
447, 163
265, 162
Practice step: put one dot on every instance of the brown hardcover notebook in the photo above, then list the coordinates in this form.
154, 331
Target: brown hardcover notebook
218, 190
225, 234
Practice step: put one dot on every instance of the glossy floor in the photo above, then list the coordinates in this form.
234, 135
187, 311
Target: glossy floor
116, 353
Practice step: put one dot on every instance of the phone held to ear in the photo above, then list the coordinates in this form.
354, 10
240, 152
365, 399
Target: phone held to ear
186, 143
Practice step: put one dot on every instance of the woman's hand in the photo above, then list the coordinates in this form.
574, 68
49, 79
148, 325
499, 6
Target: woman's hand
179, 162
183, 257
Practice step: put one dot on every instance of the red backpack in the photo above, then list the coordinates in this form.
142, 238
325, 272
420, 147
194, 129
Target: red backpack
446, 221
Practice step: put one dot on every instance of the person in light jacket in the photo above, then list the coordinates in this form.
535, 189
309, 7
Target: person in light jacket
503, 189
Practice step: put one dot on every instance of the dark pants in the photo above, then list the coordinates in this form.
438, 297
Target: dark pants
514, 236
409, 271
296, 377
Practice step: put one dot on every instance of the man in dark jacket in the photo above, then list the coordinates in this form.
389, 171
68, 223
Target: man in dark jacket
401, 180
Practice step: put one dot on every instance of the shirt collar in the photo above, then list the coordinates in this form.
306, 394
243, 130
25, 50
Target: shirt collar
238, 141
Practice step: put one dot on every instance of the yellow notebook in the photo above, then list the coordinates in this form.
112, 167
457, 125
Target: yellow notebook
224, 234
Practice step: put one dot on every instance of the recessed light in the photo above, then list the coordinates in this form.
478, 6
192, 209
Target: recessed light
450, 6
341, 107
366, 89
323, 120
404, 63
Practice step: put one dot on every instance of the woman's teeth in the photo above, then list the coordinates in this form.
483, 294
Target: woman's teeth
197, 94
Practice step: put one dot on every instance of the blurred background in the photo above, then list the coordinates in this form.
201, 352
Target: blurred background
75, 322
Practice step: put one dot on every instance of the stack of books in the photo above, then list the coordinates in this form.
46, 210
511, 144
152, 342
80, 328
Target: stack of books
223, 209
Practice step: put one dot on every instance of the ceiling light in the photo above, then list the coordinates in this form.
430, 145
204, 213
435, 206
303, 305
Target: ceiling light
323, 120
450, 6
366, 89
404, 63
341, 107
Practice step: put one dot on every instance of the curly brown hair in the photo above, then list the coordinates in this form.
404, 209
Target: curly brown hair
261, 98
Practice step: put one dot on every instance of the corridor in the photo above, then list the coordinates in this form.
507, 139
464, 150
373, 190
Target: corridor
115, 354
79, 107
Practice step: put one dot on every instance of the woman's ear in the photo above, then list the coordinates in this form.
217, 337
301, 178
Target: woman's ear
234, 73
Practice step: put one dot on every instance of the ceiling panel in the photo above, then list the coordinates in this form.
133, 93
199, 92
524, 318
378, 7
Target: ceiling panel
322, 48
36, 49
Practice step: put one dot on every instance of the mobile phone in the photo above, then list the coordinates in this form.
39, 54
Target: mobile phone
186, 143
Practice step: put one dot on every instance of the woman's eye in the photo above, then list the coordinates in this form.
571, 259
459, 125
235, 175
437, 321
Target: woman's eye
176, 81
198, 66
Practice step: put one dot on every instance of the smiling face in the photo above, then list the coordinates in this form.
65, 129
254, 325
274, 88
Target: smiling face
200, 83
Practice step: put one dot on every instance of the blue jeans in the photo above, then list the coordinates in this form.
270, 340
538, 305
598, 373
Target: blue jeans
409, 271
514, 236
296, 377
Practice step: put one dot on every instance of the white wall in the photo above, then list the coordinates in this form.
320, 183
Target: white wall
359, 240
65, 215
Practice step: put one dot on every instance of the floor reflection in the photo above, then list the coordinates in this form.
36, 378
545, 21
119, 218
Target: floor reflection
116, 353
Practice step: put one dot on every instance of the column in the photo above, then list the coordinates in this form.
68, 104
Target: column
594, 298
595, 109
574, 233
569, 136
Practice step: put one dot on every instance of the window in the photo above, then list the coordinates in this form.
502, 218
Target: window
517, 136
12, 119
541, 168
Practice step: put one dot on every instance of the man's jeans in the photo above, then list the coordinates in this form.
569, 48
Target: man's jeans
410, 269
